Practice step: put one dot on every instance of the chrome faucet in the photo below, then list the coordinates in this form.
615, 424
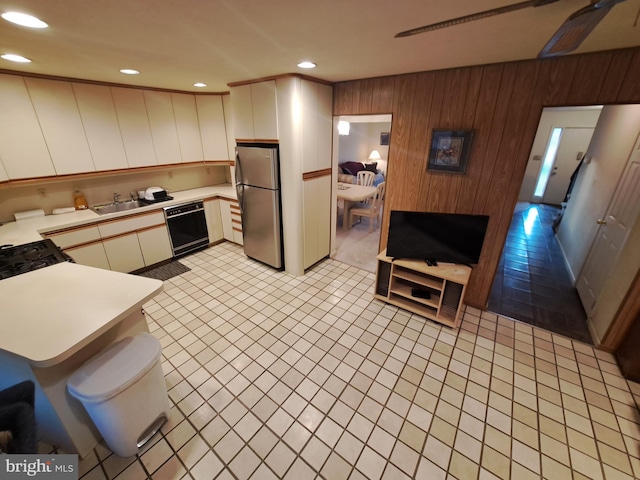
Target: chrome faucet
116, 196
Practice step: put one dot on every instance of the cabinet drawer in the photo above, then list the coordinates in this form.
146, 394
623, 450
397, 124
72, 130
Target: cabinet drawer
131, 224
236, 216
74, 236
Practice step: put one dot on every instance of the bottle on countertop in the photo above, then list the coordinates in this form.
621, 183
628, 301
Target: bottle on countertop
79, 200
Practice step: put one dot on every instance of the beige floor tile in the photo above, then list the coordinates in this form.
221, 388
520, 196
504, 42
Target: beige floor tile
349, 447
496, 463
553, 470
615, 458
437, 452
244, 464
280, 459
371, 464
427, 470
413, 436
336, 468
462, 468
585, 465
405, 458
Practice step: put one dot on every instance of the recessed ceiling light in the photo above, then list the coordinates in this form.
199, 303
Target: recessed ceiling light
24, 20
129, 71
307, 64
200, 84
15, 58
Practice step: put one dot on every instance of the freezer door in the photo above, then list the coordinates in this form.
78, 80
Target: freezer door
261, 231
257, 166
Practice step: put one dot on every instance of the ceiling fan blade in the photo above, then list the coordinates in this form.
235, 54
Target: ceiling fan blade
576, 28
475, 16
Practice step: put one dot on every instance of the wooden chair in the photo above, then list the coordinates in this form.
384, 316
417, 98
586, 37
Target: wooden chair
365, 177
372, 209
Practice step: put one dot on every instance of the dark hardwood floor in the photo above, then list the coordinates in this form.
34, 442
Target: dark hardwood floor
532, 283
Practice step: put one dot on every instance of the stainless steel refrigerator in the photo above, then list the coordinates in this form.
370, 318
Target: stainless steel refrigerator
258, 187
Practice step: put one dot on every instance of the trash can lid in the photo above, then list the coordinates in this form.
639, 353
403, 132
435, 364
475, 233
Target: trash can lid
115, 368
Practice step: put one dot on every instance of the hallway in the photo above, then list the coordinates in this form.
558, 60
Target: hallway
532, 284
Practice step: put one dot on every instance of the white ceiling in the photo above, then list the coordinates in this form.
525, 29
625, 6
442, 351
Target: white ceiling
175, 43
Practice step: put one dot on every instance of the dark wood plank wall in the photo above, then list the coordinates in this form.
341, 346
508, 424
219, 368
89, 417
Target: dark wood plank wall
503, 104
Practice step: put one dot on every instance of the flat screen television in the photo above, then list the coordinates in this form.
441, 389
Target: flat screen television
443, 237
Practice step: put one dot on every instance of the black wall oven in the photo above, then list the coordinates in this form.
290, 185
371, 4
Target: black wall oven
187, 227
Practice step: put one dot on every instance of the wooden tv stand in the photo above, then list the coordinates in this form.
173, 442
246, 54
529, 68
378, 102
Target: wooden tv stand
444, 286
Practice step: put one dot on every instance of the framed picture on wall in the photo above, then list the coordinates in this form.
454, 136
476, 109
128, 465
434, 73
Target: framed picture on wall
384, 138
449, 150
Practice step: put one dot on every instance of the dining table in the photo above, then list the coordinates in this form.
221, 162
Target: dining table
350, 194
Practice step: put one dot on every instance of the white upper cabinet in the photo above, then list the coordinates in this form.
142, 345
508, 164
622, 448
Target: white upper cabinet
163, 127
134, 126
242, 112
186, 115
212, 128
316, 125
59, 118
101, 126
325, 125
56, 127
228, 123
255, 114
23, 151
265, 117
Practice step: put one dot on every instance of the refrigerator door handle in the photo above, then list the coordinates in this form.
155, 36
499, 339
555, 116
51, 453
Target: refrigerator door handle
240, 193
238, 169
239, 184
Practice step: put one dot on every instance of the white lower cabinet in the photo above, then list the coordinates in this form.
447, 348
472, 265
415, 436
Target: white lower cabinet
124, 253
214, 219
140, 240
155, 244
317, 219
92, 255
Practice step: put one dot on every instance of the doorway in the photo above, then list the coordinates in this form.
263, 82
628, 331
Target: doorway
363, 139
602, 189
533, 283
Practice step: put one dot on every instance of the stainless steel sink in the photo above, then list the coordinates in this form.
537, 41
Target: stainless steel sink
117, 207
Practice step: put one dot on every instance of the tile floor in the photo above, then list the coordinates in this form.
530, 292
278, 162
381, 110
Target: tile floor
274, 376
532, 283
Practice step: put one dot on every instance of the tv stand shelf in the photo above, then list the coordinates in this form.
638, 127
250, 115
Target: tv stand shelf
436, 293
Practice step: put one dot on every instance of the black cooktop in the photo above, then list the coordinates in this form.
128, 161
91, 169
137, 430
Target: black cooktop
15, 260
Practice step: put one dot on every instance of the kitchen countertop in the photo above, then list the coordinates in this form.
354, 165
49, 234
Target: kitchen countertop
38, 322
31, 229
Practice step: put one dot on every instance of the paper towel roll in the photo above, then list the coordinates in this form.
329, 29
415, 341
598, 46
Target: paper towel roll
28, 214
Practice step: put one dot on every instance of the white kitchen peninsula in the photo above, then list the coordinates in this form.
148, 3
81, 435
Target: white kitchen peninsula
53, 320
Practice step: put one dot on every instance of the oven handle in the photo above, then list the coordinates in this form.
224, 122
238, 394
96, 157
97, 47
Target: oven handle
170, 215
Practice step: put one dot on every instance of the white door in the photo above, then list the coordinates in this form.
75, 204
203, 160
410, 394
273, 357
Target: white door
612, 234
573, 143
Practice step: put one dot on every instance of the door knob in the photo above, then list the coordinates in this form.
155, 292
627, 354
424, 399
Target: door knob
600, 221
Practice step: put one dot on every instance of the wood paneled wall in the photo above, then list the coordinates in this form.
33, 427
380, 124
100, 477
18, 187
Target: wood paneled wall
503, 104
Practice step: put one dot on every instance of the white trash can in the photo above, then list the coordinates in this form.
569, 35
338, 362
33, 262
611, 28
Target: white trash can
124, 393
